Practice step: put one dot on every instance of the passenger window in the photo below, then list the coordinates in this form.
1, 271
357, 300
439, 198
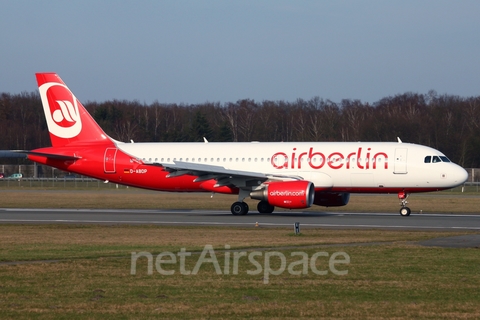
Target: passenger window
428, 159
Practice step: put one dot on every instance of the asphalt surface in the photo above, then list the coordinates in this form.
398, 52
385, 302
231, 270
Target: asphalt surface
216, 218
439, 222
466, 241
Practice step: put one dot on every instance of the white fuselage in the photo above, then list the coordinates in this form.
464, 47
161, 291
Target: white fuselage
356, 167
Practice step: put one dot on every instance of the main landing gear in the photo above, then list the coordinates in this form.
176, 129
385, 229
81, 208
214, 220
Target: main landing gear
241, 208
404, 211
265, 207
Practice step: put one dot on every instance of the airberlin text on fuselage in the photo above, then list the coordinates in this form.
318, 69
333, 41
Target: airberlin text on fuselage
335, 160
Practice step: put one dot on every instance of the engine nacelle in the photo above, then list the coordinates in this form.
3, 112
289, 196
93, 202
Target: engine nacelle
331, 199
287, 194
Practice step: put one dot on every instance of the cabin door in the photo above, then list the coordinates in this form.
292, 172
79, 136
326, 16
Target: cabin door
109, 160
400, 161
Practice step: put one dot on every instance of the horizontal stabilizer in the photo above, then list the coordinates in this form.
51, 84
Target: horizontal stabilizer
11, 154
24, 153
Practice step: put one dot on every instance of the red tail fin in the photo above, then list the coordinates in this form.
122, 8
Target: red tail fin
67, 119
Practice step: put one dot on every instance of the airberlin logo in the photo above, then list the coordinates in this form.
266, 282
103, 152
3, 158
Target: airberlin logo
66, 112
287, 193
335, 160
61, 110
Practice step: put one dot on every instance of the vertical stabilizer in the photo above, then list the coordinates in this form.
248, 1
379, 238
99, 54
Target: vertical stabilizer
67, 119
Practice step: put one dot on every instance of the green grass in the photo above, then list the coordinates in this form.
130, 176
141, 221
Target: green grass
50, 242
397, 279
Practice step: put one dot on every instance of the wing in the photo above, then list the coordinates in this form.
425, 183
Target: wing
222, 176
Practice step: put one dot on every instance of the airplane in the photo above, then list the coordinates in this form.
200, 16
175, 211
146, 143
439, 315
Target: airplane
290, 175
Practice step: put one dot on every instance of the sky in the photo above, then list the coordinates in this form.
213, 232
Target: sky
224, 51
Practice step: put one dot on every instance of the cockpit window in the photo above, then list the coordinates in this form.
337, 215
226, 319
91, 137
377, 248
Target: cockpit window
445, 159
436, 159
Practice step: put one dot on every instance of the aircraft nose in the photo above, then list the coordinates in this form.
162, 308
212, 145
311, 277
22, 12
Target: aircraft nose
460, 176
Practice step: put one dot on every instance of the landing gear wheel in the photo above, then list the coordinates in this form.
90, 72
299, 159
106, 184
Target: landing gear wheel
265, 207
405, 211
239, 208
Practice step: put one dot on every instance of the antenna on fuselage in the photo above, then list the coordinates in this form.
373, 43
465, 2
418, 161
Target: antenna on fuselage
205, 139
398, 139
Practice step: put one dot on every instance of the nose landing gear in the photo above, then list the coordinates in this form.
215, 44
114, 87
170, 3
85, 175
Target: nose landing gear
404, 211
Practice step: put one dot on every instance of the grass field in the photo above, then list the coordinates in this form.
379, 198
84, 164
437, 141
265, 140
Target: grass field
389, 274
85, 271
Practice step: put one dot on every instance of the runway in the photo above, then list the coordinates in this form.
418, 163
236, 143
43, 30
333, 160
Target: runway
454, 222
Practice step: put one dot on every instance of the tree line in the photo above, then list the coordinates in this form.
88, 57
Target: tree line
448, 123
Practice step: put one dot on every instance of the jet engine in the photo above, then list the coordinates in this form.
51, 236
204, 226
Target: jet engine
331, 199
287, 194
